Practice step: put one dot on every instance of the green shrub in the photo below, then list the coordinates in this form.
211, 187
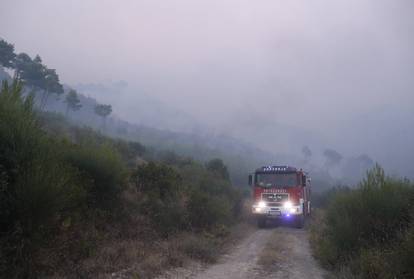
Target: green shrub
171, 158
103, 167
403, 259
53, 123
367, 228
157, 180
54, 177
37, 189
185, 196
206, 210
129, 151
375, 213
217, 166
212, 200
161, 193
374, 263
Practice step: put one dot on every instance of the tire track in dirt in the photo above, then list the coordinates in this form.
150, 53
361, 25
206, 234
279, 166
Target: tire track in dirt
294, 258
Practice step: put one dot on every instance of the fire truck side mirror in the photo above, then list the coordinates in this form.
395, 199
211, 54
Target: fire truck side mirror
304, 180
250, 179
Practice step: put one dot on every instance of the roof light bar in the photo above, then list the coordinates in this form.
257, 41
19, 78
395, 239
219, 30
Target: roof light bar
276, 168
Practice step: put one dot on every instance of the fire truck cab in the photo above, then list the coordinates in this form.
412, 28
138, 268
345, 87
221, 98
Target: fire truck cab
280, 192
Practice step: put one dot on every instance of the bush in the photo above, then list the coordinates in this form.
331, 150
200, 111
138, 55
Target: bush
206, 210
365, 227
217, 166
213, 200
404, 256
373, 214
184, 196
55, 177
161, 194
129, 151
103, 167
37, 189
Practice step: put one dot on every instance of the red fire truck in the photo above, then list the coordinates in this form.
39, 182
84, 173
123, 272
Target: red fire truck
280, 192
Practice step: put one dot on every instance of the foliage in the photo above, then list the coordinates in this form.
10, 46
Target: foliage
37, 188
56, 178
159, 187
47, 181
104, 168
171, 158
72, 101
205, 210
103, 110
31, 71
7, 54
217, 166
369, 228
213, 200
51, 81
186, 196
130, 151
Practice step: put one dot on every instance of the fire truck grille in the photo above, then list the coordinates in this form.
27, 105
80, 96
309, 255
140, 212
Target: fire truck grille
275, 198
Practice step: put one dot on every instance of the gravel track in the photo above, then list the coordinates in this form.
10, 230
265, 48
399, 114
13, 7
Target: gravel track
294, 261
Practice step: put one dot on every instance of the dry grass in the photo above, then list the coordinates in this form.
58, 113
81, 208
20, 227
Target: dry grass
148, 258
130, 248
316, 228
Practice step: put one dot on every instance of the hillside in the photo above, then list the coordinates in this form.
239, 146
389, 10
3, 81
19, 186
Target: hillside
239, 156
144, 119
71, 198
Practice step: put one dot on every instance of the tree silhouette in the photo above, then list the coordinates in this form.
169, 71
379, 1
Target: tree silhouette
217, 166
50, 85
356, 167
103, 111
33, 73
332, 157
7, 54
72, 101
307, 153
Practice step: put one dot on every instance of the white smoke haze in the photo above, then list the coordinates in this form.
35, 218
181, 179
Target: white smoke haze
280, 74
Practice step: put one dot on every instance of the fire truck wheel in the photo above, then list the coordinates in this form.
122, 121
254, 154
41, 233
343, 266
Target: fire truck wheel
261, 222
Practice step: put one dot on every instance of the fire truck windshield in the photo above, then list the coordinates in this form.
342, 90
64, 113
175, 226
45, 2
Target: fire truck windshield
277, 179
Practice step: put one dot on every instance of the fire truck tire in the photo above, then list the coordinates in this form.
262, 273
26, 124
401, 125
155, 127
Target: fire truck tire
261, 222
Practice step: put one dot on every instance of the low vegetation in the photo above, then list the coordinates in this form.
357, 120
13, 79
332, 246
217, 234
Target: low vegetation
75, 202
367, 232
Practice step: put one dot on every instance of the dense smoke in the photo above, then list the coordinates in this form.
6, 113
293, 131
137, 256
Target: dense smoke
330, 75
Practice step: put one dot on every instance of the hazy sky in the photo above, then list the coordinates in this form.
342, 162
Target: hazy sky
313, 65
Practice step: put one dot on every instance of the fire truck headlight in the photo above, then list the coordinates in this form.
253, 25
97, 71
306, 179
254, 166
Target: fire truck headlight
261, 204
288, 205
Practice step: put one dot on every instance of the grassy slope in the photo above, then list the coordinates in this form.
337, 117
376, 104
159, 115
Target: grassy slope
93, 208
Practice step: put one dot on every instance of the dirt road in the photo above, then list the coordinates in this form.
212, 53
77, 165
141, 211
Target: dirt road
294, 259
